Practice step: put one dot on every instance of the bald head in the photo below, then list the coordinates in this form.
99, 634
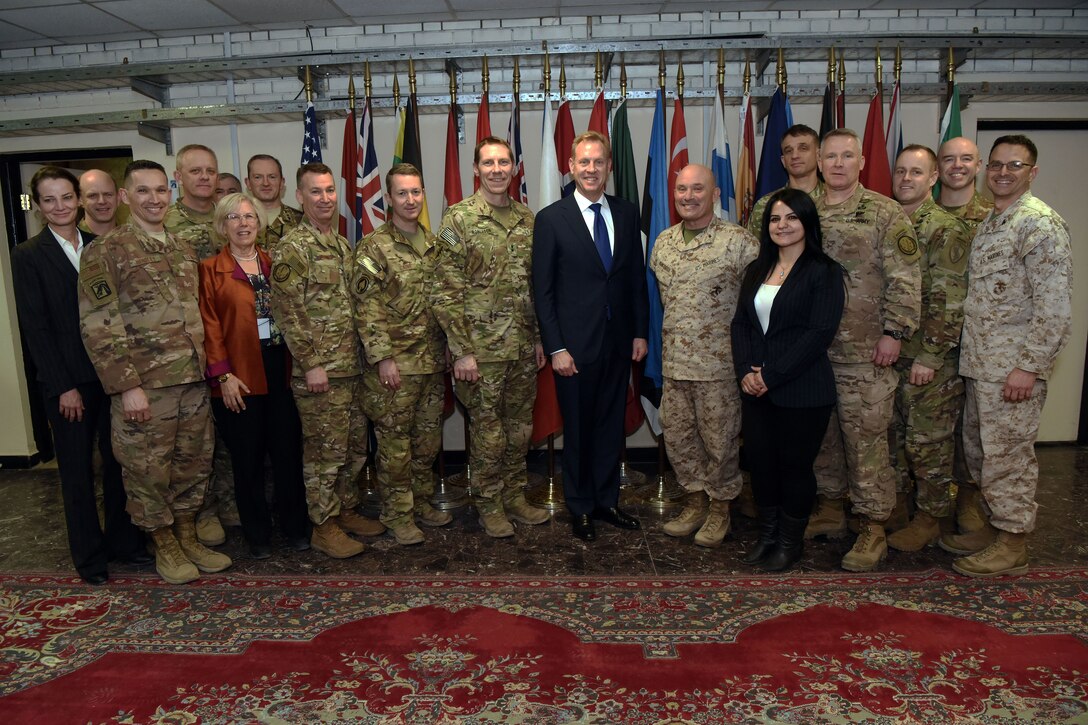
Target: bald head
694, 194
98, 197
958, 162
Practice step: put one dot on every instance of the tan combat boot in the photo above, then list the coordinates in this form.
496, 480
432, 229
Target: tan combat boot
205, 559
520, 510
330, 539
829, 519
353, 523
870, 549
969, 543
691, 517
209, 531
969, 514
924, 530
430, 516
170, 562
1008, 555
407, 534
716, 526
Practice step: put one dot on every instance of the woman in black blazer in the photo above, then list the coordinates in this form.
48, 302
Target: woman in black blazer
791, 300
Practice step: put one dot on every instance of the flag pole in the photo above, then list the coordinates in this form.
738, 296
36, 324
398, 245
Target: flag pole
841, 100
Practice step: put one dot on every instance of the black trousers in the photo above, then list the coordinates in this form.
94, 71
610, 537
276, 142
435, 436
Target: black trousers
74, 442
780, 445
269, 426
592, 404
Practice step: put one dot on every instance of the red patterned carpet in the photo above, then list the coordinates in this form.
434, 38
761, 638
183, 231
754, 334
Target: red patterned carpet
929, 647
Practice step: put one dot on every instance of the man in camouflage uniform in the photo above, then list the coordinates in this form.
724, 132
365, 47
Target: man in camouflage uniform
699, 264
311, 302
930, 395
494, 341
227, 184
873, 239
1017, 318
400, 316
143, 332
265, 183
98, 197
190, 218
959, 162
800, 151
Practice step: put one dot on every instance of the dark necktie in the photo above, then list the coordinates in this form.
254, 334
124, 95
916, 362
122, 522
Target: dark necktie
600, 237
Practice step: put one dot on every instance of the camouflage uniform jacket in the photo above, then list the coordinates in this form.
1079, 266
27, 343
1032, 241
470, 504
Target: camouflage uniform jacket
755, 221
486, 278
138, 310
946, 245
871, 236
399, 306
311, 301
973, 212
700, 285
1019, 311
203, 239
277, 229
179, 217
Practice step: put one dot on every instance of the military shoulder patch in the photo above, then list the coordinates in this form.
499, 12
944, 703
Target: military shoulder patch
957, 252
361, 284
281, 272
907, 244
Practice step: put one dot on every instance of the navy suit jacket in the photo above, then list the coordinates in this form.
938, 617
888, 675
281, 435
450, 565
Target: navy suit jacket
577, 302
793, 352
46, 286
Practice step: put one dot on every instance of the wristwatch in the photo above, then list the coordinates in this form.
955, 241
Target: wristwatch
893, 334
223, 378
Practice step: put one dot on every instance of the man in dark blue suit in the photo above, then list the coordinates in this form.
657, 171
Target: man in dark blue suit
589, 284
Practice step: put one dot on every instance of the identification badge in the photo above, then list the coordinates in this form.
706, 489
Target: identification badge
264, 328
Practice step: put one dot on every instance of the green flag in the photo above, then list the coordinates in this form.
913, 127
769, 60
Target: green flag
951, 127
623, 158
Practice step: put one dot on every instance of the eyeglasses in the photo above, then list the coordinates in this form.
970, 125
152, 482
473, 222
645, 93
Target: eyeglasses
1012, 166
233, 217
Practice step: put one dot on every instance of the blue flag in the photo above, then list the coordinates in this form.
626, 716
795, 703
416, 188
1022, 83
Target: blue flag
721, 163
655, 219
772, 174
311, 140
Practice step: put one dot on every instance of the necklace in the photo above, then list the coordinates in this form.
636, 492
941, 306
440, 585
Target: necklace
245, 259
783, 271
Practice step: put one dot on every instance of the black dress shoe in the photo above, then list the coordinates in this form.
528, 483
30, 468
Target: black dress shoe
260, 551
298, 543
583, 527
96, 579
617, 518
140, 557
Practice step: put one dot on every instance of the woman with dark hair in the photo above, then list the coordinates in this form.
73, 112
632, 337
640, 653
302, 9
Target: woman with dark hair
45, 272
791, 299
249, 368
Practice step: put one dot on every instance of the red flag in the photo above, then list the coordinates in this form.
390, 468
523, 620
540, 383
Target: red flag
547, 419
598, 117
483, 130
746, 168
350, 201
633, 415
840, 102
451, 188
564, 139
678, 153
876, 176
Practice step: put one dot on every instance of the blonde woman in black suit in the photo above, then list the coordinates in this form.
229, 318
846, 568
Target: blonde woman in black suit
790, 304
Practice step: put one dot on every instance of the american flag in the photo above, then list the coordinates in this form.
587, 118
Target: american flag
370, 184
311, 140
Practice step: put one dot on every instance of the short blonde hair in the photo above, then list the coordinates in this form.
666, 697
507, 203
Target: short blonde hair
230, 204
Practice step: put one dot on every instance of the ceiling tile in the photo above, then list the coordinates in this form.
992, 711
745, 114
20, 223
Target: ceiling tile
262, 13
168, 14
82, 21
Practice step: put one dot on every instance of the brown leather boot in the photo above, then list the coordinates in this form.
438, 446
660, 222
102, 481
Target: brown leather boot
969, 543
716, 526
330, 539
924, 530
205, 559
170, 562
870, 549
1008, 555
691, 517
829, 519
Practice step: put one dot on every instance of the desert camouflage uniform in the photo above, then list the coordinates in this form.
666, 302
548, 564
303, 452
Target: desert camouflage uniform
755, 221
1018, 314
180, 217
311, 303
700, 282
142, 328
487, 289
400, 315
973, 212
923, 429
203, 239
873, 239
277, 228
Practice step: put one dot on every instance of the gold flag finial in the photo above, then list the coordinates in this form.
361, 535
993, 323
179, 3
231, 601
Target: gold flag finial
598, 74
453, 86
721, 70
411, 77
780, 71
898, 62
562, 78
368, 83
547, 72
308, 84
680, 78
517, 79
951, 66
831, 66
661, 69
842, 74
623, 77
396, 90
486, 77
879, 73
351, 93
747, 74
